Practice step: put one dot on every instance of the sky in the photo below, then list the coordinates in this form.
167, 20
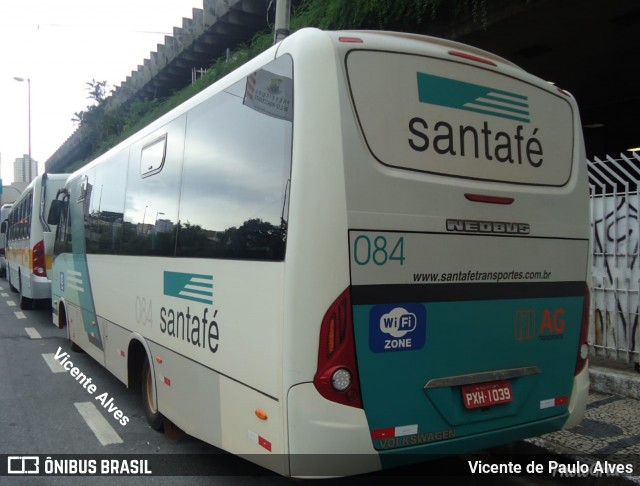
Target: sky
60, 46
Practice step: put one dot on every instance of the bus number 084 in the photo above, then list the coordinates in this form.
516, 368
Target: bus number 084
378, 250
143, 312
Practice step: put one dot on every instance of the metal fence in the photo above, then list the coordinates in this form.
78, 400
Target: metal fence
615, 231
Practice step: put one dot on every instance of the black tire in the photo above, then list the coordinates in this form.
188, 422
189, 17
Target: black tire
25, 302
154, 418
65, 325
13, 289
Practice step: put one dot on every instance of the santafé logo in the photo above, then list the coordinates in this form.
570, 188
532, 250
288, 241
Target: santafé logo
461, 95
189, 286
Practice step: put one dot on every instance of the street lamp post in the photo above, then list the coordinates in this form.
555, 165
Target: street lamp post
28, 80
283, 14
144, 215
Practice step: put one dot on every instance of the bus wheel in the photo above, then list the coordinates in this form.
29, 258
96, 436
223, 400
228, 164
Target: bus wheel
64, 324
11, 286
154, 418
25, 302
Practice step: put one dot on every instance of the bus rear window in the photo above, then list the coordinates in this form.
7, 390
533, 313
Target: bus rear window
444, 117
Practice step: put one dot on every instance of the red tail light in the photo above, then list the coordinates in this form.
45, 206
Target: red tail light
353, 40
2, 251
39, 260
337, 375
471, 57
583, 346
483, 198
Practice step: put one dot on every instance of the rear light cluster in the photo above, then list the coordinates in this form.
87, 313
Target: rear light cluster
471, 57
583, 346
484, 198
39, 261
337, 375
350, 40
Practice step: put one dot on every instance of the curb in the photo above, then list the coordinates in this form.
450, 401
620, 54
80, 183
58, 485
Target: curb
618, 382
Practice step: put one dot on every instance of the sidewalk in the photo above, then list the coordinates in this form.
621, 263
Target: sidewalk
610, 429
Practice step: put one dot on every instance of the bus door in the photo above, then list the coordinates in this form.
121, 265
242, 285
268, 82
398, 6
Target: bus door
71, 281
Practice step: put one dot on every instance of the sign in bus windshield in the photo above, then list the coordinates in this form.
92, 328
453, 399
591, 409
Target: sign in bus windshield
445, 117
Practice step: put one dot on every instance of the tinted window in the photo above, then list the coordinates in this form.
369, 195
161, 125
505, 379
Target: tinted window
151, 208
106, 206
237, 160
63, 233
85, 197
20, 217
152, 156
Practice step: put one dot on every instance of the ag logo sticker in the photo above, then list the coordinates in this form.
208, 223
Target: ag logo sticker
397, 327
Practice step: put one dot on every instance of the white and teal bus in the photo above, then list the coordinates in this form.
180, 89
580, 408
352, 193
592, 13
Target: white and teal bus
358, 250
29, 240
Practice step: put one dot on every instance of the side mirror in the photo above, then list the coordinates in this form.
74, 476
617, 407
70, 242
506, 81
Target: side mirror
54, 212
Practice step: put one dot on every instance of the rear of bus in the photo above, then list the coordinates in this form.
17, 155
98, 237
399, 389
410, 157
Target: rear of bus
459, 310
4, 214
30, 245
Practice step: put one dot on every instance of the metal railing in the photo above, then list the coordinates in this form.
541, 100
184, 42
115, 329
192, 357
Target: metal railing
615, 238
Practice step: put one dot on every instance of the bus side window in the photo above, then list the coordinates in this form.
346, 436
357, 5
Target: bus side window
153, 156
28, 214
63, 235
84, 188
237, 166
150, 207
106, 207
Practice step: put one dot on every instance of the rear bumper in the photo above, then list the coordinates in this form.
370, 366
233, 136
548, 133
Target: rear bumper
40, 287
328, 439
462, 445
578, 401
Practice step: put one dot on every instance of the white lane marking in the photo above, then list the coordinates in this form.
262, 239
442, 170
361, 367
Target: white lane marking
11, 303
98, 424
33, 333
20, 315
53, 363
4, 294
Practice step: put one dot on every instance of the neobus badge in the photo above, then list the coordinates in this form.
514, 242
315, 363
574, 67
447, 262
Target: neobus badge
397, 327
470, 226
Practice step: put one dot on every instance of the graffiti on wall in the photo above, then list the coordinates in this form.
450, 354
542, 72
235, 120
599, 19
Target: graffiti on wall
616, 275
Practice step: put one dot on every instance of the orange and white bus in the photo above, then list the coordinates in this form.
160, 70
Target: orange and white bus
4, 212
29, 245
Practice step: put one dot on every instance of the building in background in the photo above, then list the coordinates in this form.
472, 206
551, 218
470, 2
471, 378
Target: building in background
25, 169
